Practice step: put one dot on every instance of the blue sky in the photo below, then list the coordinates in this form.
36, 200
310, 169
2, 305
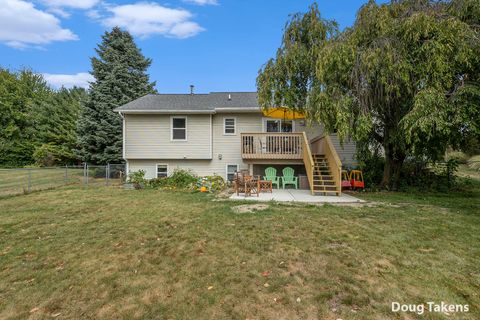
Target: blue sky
217, 45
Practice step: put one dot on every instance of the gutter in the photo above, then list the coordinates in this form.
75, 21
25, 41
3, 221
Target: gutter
166, 111
237, 110
217, 110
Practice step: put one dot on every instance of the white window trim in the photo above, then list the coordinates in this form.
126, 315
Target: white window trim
171, 128
234, 126
226, 169
156, 168
264, 121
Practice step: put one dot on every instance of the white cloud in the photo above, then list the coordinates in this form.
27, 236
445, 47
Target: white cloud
93, 14
59, 12
203, 2
81, 79
74, 4
22, 25
144, 19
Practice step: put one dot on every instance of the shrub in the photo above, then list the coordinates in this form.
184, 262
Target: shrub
157, 183
180, 179
437, 176
137, 178
97, 172
213, 183
48, 155
459, 156
371, 162
474, 163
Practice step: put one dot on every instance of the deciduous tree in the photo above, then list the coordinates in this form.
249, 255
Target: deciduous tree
405, 76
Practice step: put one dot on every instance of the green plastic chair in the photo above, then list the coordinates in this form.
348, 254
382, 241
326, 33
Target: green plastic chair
289, 178
271, 174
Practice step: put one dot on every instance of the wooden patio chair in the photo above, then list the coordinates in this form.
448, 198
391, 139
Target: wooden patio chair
252, 185
246, 183
239, 182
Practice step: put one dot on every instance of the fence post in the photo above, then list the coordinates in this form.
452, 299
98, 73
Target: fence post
107, 174
66, 174
86, 167
84, 173
29, 180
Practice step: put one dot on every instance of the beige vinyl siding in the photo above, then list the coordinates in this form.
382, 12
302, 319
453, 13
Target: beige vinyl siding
346, 151
149, 137
229, 146
199, 167
312, 130
226, 147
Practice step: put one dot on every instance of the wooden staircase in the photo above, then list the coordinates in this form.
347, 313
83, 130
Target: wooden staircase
323, 179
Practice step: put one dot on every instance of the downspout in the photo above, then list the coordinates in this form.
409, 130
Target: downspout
211, 136
123, 141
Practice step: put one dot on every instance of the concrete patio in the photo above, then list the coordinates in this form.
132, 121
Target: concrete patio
292, 195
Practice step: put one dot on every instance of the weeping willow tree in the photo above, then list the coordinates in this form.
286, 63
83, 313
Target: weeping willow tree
405, 77
288, 79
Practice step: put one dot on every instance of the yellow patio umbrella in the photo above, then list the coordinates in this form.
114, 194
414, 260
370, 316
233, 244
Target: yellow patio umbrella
283, 113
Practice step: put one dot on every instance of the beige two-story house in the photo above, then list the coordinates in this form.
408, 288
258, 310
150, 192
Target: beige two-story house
222, 132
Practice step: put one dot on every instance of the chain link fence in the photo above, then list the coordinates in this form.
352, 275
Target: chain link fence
24, 180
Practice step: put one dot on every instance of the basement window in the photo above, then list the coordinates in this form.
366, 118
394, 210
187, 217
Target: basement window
231, 169
162, 170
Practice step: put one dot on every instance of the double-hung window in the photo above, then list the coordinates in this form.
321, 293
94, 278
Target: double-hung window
229, 126
162, 170
179, 128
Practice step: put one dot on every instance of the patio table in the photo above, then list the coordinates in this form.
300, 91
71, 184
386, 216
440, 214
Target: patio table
265, 185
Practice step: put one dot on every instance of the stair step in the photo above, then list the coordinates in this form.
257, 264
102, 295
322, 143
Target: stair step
324, 186
327, 192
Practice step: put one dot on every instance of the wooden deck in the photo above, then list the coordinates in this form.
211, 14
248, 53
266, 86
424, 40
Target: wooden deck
323, 169
272, 146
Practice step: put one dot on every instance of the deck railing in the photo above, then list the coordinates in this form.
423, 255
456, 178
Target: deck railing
272, 145
324, 145
308, 160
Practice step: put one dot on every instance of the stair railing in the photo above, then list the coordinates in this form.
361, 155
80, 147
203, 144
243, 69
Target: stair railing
308, 160
323, 145
334, 162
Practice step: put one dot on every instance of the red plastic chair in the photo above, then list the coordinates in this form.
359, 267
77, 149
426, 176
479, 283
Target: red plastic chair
345, 180
356, 179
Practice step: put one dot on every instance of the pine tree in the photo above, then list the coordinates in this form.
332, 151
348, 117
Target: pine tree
120, 77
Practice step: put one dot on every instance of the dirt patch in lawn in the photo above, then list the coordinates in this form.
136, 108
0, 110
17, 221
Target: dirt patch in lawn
249, 208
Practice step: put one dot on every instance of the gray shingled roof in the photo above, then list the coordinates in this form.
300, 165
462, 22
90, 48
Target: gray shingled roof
214, 101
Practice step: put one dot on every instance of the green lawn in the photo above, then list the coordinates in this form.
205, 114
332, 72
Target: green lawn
108, 253
19, 181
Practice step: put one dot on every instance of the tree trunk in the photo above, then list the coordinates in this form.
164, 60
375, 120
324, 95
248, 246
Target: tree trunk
393, 167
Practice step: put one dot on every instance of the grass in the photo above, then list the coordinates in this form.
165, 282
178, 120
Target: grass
23, 180
108, 253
